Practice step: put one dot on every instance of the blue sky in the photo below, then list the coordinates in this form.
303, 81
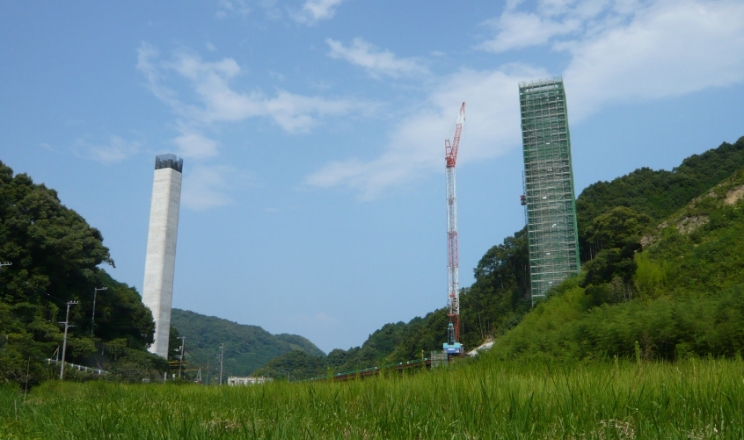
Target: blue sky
312, 132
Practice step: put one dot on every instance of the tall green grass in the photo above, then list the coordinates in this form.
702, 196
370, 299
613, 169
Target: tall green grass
481, 400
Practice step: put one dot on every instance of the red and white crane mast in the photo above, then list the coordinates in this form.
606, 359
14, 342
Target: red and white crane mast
453, 346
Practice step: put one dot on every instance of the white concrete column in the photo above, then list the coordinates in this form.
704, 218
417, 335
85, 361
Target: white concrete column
160, 262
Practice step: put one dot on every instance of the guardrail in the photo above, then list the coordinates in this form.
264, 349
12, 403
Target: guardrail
82, 368
372, 371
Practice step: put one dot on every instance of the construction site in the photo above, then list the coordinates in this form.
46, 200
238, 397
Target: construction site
550, 216
548, 200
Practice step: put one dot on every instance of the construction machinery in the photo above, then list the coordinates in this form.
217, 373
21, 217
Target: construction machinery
453, 346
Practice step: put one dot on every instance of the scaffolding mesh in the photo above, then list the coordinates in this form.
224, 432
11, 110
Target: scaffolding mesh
548, 179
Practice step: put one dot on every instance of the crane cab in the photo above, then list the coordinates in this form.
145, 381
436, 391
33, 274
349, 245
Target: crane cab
452, 346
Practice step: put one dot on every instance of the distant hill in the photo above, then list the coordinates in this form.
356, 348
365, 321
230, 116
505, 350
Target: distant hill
301, 343
247, 347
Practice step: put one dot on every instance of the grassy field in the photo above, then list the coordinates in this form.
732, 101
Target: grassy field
695, 399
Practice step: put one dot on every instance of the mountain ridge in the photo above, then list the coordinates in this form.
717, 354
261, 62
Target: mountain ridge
247, 347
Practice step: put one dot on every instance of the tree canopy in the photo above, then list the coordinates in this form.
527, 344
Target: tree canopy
684, 296
55, 257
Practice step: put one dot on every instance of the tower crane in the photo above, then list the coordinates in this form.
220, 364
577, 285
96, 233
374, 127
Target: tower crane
453, 346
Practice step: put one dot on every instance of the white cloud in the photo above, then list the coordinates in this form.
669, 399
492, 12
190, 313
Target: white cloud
296, 113
217, 101
244, 8
147, 64
206, 187
616, 51
239, 7
517, 30
669, 49
113, 151
315, 10
377, 62
193, 144
416, 145
631, 50
622, 51
554, 18
48, 147
209, 98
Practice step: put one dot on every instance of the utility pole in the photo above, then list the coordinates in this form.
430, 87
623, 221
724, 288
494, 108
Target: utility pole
180, 362
93, 315
64, 341
222, 359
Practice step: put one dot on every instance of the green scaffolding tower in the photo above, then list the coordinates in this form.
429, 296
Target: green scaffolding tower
549, 190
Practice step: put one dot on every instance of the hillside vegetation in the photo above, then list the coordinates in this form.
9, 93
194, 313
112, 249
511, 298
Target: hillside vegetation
681, 296
247, 347
657, 194
54, 256
619, 283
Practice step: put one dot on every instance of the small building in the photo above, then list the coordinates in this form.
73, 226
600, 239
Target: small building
247, 380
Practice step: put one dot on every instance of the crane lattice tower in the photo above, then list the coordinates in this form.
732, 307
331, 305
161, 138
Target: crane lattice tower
453, 345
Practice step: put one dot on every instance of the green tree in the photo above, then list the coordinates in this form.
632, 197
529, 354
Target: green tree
55, 256
657, 194
614, 238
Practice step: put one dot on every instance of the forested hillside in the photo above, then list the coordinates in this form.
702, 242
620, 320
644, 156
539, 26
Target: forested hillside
656, 194
681, 296
616, 219
54, 256
247, 347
